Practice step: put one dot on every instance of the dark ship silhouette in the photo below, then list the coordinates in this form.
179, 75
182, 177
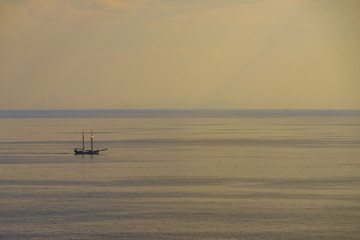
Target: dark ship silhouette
88, 151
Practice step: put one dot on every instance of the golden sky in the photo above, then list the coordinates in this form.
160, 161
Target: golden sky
238, 54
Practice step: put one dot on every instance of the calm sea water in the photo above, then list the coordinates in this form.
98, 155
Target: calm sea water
181, 175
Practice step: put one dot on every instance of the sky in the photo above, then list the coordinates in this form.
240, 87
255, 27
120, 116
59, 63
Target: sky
188, 54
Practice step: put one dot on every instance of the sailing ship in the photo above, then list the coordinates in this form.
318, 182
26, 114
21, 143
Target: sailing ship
88, 151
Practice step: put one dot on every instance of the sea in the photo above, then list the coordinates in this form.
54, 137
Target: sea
180, 174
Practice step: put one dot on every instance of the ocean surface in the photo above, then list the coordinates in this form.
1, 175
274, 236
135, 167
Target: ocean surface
171, 174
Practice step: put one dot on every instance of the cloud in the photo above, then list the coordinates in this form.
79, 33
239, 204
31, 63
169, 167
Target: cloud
52, 9
10, 15
11, 11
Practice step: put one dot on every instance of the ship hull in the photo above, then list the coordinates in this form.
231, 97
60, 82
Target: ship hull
86, 152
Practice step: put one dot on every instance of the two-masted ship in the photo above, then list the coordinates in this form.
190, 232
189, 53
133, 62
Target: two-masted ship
88, 151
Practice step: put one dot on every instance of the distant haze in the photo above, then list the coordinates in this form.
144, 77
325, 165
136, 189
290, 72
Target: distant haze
246, 54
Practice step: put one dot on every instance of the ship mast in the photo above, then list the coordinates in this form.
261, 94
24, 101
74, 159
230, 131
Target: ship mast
92, 142
83, 141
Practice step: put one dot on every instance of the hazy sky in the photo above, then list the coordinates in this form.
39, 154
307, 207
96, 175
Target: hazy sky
67, 54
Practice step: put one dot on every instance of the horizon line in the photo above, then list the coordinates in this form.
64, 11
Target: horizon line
126, 113
181, 109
